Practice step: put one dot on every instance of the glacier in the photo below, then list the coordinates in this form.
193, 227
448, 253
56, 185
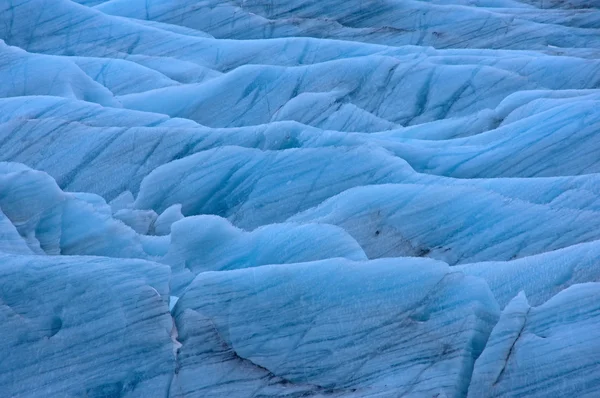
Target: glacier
248, 198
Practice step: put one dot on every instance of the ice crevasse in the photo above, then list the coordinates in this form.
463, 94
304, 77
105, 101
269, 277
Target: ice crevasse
299, 198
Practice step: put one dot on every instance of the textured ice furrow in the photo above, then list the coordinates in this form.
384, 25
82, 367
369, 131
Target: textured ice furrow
345, 136
256, 169
19, 144
567, 134
24, 141
61, 30
400, 91
388, 22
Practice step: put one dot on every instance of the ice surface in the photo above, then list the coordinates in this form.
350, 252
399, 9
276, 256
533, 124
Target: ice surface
299, 198
84, 326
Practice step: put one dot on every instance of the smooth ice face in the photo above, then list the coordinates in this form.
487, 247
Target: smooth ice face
396, 326
10, 240
84, 326
299, 198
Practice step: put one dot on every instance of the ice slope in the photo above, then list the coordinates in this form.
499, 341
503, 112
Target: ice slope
335, 198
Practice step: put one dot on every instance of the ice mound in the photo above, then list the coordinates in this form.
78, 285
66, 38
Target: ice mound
210, 243
335, 325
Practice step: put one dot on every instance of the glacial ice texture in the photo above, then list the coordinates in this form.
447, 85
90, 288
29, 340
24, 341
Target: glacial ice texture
337, 198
